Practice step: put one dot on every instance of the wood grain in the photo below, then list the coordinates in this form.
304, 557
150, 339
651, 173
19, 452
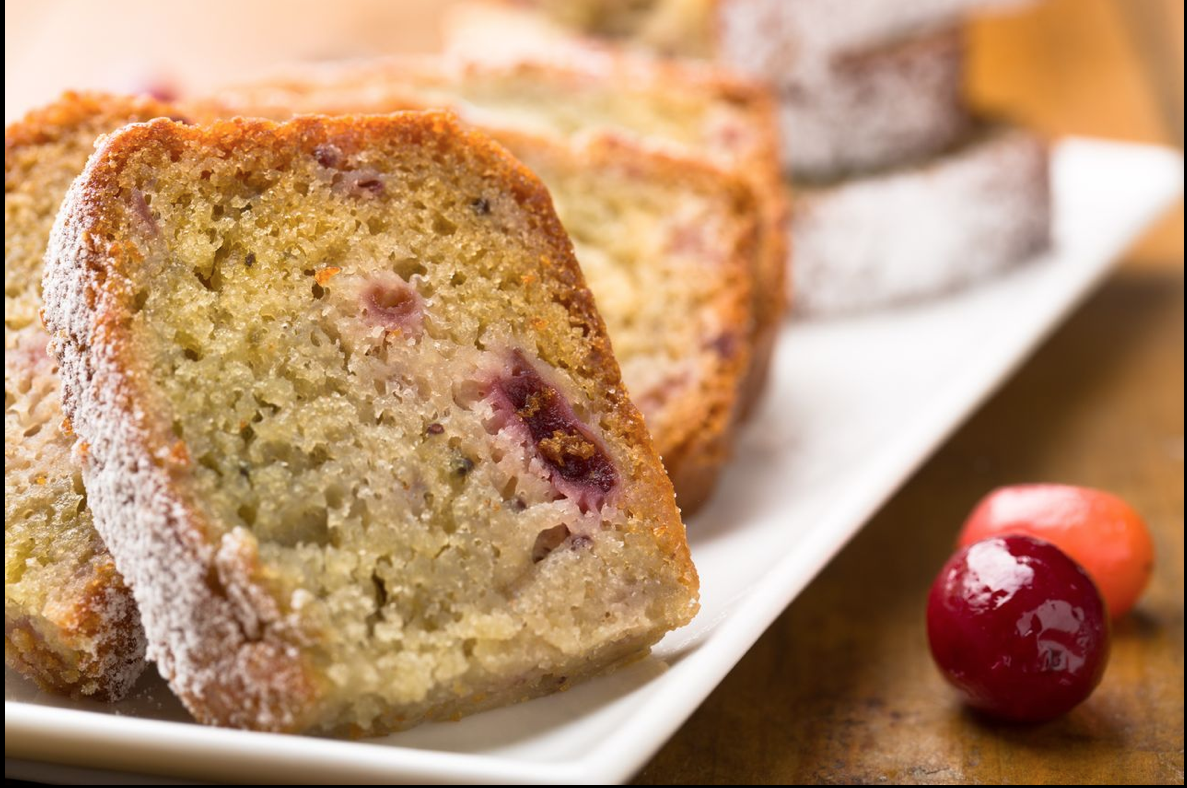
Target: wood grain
842, 687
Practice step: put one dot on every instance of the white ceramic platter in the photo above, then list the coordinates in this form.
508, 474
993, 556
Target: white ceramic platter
855, 406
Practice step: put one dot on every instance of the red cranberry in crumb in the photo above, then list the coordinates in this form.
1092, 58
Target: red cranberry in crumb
579, 467
327, 155
395, 305
688, 238
1018, 628
143, 212
30, 356
360, 184
652, 399
725, 345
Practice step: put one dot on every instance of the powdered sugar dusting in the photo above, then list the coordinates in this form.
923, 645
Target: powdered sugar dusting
215, 655
74, 625
875, 109
780, 40
924, 230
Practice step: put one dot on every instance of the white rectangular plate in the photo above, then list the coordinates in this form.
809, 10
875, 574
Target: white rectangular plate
855, 406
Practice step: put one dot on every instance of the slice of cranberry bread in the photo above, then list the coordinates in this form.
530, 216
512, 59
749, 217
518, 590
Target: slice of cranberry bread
694, 111
69, 621
352, 424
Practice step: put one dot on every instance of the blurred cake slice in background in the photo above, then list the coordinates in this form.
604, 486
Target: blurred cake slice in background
70, 622
910, 232
899, 193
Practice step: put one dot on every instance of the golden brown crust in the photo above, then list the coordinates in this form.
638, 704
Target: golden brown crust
199, 636
72, 109
76, 646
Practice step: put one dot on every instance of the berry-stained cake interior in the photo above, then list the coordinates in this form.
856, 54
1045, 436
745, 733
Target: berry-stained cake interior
354, 430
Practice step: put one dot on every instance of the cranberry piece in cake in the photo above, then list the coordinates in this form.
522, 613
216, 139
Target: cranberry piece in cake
394, 304
578, 464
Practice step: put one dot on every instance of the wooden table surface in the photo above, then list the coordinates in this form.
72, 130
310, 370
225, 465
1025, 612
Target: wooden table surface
841, 688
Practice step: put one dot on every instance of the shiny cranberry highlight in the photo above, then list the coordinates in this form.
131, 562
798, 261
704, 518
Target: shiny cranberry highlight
1099, 531
1018, 628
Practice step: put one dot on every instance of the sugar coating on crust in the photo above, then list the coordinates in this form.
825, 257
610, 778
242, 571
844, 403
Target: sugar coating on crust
70, 622
790, 41
925, 230
875, 109
284, 347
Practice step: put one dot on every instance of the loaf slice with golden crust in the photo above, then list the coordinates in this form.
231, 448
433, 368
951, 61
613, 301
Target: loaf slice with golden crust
352, 425
689, 110
69, 621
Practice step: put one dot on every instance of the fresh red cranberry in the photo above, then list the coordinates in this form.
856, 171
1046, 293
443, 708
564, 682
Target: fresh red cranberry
1018, 628
1098, 530
144, 213
328, 155
360, 184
